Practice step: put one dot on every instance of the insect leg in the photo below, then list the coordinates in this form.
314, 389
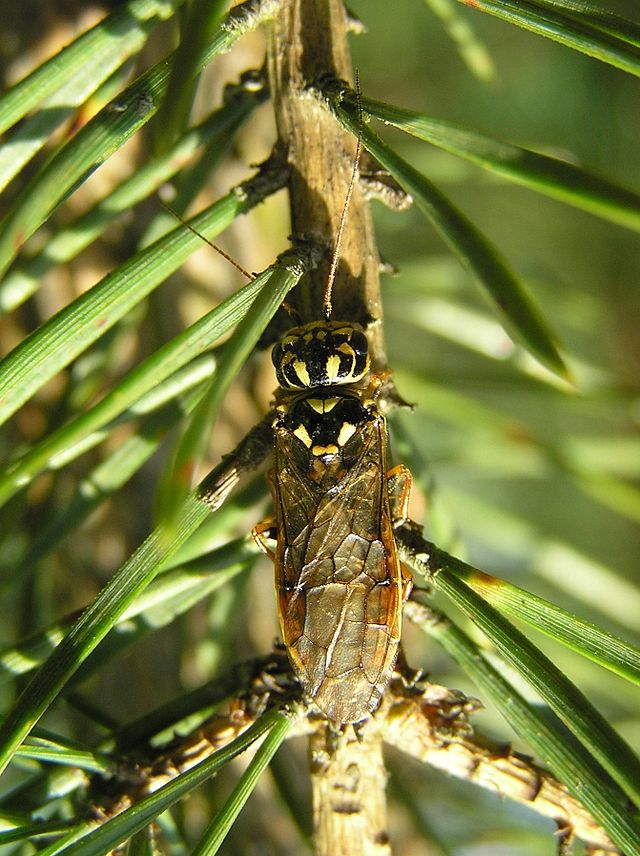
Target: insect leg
246, 457
265, 533
399, 484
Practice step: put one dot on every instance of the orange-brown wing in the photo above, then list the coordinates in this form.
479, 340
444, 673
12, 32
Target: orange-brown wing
337, 572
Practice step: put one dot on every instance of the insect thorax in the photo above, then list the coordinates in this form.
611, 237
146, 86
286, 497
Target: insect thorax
321, 368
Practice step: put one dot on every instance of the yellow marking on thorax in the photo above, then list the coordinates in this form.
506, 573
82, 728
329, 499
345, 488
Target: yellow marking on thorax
347, 431
325, 450
322, 405
303, 435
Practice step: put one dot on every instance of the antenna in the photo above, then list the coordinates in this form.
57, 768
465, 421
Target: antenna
207, 241
326, 301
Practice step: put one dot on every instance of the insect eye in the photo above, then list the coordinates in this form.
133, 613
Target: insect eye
290, 363
359, 343
353, 349
276, 355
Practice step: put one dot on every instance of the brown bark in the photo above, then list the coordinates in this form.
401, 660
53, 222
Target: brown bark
349, 804
429, 722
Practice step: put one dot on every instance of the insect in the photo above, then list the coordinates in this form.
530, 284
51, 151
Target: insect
340, 586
